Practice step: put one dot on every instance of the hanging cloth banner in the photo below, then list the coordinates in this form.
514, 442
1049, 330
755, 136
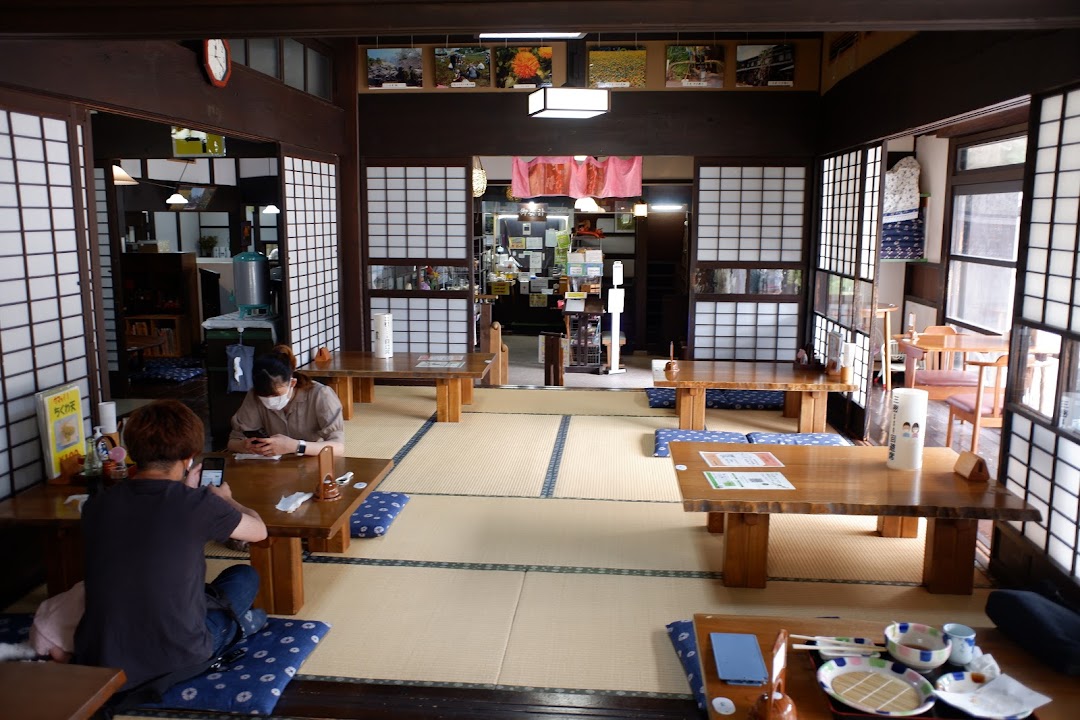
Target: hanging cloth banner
612, 177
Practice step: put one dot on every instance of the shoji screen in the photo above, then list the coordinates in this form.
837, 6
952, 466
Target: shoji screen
1040, 451
418, 260
312, 240
43, 252
844, 293
749, 236
105, 274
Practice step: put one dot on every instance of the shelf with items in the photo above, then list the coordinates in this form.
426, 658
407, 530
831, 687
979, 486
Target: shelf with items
172, 330
582, 318
419, 277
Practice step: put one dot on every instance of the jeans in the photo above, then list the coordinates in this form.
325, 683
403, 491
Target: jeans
237, 585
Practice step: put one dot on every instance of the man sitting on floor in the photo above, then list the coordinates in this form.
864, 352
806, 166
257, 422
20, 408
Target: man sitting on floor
147, 608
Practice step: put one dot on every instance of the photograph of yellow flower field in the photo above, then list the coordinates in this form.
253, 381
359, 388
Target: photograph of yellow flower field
523, 66
613, 67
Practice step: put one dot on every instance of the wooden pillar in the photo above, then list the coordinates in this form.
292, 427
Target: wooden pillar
493, 337
554, 365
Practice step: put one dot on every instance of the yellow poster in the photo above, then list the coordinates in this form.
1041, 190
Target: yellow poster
500, 288
60, 418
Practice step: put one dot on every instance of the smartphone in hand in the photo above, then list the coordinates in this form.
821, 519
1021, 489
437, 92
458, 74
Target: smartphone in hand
260, 433
213, 471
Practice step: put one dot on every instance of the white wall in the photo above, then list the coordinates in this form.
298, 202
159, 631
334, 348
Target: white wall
933, 156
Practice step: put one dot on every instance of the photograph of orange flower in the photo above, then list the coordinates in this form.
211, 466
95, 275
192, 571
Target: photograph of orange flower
529, 66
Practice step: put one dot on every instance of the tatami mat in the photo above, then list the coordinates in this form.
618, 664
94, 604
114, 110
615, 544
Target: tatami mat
747, 421
481, 455
563, 402
381, 428
606, 632
611, 458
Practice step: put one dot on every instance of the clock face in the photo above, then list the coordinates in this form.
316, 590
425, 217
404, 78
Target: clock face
217, 60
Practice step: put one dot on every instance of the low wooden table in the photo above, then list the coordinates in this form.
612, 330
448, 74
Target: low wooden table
56, 691
807, 390
848, 481
257, 484
453, 382
810, 700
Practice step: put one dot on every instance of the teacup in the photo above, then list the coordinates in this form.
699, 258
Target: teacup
920, 647
963, 643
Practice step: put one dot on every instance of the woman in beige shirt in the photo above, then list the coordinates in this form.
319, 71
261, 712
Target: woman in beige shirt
294, 414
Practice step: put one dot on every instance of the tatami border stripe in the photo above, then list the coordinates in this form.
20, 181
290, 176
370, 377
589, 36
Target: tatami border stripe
556, 458
495, 686
533, 497
416, 438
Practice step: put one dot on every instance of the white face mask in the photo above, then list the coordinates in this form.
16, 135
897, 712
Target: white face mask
277, 402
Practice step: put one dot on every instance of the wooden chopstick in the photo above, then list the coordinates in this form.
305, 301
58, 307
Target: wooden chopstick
854, 649
834, 641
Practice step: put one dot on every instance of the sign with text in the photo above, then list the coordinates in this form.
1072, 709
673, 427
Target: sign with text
532, 211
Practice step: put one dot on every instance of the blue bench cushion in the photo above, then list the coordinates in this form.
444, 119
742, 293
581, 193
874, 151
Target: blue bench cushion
661, 397
666, 435
15, 627
254, 683
751, 399
681, 633
797, 439
166, 374
376, 513
172, 362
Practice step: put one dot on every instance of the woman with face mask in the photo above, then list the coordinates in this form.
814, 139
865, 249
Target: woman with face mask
295, 414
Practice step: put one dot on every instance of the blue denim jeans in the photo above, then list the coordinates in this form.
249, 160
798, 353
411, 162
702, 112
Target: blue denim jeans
237, 585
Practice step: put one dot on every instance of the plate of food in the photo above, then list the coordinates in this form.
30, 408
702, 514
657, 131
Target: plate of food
876, 686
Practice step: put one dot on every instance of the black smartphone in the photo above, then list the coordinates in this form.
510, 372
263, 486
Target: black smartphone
213, 471
260, 433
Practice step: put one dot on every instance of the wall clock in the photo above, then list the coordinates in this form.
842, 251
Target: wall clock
217, 61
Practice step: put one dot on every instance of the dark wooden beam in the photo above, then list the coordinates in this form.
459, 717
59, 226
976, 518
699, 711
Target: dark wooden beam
773, 124
1015, 115
239, 18
353, 319
163, 81
120, 136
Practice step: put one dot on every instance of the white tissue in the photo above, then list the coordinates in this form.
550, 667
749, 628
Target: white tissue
80, 499
290, 503
254, 456
1003, 696
985, 664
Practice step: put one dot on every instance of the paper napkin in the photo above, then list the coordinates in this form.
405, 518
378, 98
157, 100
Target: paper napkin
253, 456
1003, 696
290, 503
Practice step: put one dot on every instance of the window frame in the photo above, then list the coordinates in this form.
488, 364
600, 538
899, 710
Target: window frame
279, 72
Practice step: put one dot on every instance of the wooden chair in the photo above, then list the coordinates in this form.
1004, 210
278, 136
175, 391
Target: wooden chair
940, 383
977, 409
941, 361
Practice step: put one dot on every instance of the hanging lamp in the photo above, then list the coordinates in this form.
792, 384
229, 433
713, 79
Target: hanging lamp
479, 178
120, 176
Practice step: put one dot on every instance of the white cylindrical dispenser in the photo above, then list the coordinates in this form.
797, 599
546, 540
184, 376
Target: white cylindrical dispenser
383, 326
907, 428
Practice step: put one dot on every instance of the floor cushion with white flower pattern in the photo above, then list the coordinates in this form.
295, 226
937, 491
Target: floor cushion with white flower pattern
749, 400
375, 515
667, 435
829, 439
15, 627
681, 633
252, 684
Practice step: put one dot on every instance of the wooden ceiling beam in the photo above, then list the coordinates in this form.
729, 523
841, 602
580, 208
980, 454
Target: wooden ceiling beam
342, 18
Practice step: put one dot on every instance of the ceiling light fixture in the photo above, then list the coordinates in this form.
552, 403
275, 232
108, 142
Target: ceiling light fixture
176, 198
479, 178
641, 209
586, 204
271, 210
533, 35
666, 208
569, 102
120, 176
581, 158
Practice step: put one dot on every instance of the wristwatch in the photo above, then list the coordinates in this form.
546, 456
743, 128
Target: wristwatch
301, 447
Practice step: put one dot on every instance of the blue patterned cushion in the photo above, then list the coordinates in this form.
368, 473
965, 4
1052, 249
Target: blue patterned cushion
376, 513
166, 374
666, 435
681, 633
15, 627
797, 438
253, 684
751, 399
661, 397
172, 362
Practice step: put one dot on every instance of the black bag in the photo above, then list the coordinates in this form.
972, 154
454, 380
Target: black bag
1047, 630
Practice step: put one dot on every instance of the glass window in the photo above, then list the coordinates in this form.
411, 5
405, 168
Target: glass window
424, 277
755, 281
1011, 151
263, 55
319, 77
981, 295
987, 225
238, 51
294, 63
1040, 377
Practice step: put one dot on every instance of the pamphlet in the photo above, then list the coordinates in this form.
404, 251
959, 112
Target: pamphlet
741, 459
60, 424
441, 361
748, 481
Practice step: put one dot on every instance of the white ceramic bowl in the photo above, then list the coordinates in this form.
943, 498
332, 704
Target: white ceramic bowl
920, 647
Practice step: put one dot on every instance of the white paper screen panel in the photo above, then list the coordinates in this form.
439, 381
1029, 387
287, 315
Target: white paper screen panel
746, 330
42, 336
750, 214
105, 276
312, 235
417, 212
870, 219
426, 325
841, 185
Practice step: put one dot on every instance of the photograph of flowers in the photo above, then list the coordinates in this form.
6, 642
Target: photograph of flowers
527, 66
765, 65
694, 66
395, 68
612, 67
462, 67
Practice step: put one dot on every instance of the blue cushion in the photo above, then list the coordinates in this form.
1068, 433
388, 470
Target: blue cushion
798, 439
376, 513
751, 399
666, 435
166, 374
253, 684
15, 627
682, 637
172, 362
661, 397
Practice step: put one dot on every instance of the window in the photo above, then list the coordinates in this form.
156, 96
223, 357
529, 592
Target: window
997, 153
298, 64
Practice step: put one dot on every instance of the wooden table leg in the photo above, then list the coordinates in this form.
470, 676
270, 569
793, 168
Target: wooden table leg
448, 400
466, 391
337, 543
343, 387
690, 405
63, 558
792, 403
365, 389
279, 562
812, 411
715, 522
898, 527
746, 550
949, 559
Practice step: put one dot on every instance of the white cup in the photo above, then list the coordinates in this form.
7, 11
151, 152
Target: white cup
963, 643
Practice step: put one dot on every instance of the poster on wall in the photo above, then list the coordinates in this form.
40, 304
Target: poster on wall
694, 66
395, 68
60, 424
462, 67
523, 67
617, 67
765, 65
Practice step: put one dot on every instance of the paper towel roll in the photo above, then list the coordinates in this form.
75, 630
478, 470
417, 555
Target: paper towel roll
847, 357
383, 323
907, 428
107, 417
